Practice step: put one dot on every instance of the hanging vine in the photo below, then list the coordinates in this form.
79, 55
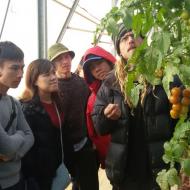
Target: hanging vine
165, 52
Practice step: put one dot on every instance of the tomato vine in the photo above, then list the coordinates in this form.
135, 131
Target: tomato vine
165, 52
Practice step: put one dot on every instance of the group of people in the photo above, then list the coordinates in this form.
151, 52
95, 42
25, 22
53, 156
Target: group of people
99, 127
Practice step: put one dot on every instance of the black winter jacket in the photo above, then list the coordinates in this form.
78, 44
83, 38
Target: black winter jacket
44, 158
74, 94
136, 149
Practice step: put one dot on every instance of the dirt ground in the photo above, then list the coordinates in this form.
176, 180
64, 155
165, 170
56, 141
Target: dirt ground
103, 181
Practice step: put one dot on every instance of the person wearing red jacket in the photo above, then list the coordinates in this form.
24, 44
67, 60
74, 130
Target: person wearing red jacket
97, 63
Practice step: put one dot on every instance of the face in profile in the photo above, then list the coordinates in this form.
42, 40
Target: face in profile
11, 73
100, 69
47, 82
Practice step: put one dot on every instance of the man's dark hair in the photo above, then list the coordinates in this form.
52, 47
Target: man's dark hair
10, 51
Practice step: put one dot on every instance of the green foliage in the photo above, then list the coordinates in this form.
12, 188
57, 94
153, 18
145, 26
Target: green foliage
170, 71
135, 94
165, 24
172, 177
167, 179
162, 180
177, 151
186, 166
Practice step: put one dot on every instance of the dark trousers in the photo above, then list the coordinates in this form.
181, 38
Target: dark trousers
19, 186
83, 167
147, 184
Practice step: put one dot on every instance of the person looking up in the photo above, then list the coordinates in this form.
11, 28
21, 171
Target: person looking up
137, 134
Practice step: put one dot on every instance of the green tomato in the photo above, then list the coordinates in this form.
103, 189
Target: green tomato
185, 15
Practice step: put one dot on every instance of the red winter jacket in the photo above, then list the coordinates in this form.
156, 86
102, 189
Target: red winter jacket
101, 142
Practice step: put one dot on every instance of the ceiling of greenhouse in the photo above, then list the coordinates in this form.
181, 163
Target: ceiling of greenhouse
21, 25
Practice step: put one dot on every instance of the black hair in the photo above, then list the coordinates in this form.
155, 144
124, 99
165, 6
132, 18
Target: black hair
10, 51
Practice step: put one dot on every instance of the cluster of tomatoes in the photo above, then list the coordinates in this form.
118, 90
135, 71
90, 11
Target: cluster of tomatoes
180, 100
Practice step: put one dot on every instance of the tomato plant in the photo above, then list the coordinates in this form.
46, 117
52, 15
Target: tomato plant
165, 52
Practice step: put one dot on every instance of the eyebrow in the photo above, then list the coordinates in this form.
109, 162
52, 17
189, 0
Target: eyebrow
126, 35
16, 65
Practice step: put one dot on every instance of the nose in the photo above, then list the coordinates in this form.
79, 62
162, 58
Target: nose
20, 73
131, 39
53, 77
63, 61
97, 67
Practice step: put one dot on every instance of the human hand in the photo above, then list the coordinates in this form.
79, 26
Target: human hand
4, 158
112, 111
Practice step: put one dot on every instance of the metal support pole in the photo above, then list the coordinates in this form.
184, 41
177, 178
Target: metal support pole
63, 30
5, 18
78, 13
42, 28
114, 3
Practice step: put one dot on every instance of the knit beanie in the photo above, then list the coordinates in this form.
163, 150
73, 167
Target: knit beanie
122, 30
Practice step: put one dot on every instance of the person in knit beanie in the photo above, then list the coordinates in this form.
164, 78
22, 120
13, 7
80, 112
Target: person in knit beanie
138, 134
122, 30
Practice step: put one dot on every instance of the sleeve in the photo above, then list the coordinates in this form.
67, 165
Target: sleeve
23, 126
102, 124
10, 144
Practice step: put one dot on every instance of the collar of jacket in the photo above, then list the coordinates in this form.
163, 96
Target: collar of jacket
112, 82
34, 106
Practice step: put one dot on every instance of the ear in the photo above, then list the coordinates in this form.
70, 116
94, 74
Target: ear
1, 70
